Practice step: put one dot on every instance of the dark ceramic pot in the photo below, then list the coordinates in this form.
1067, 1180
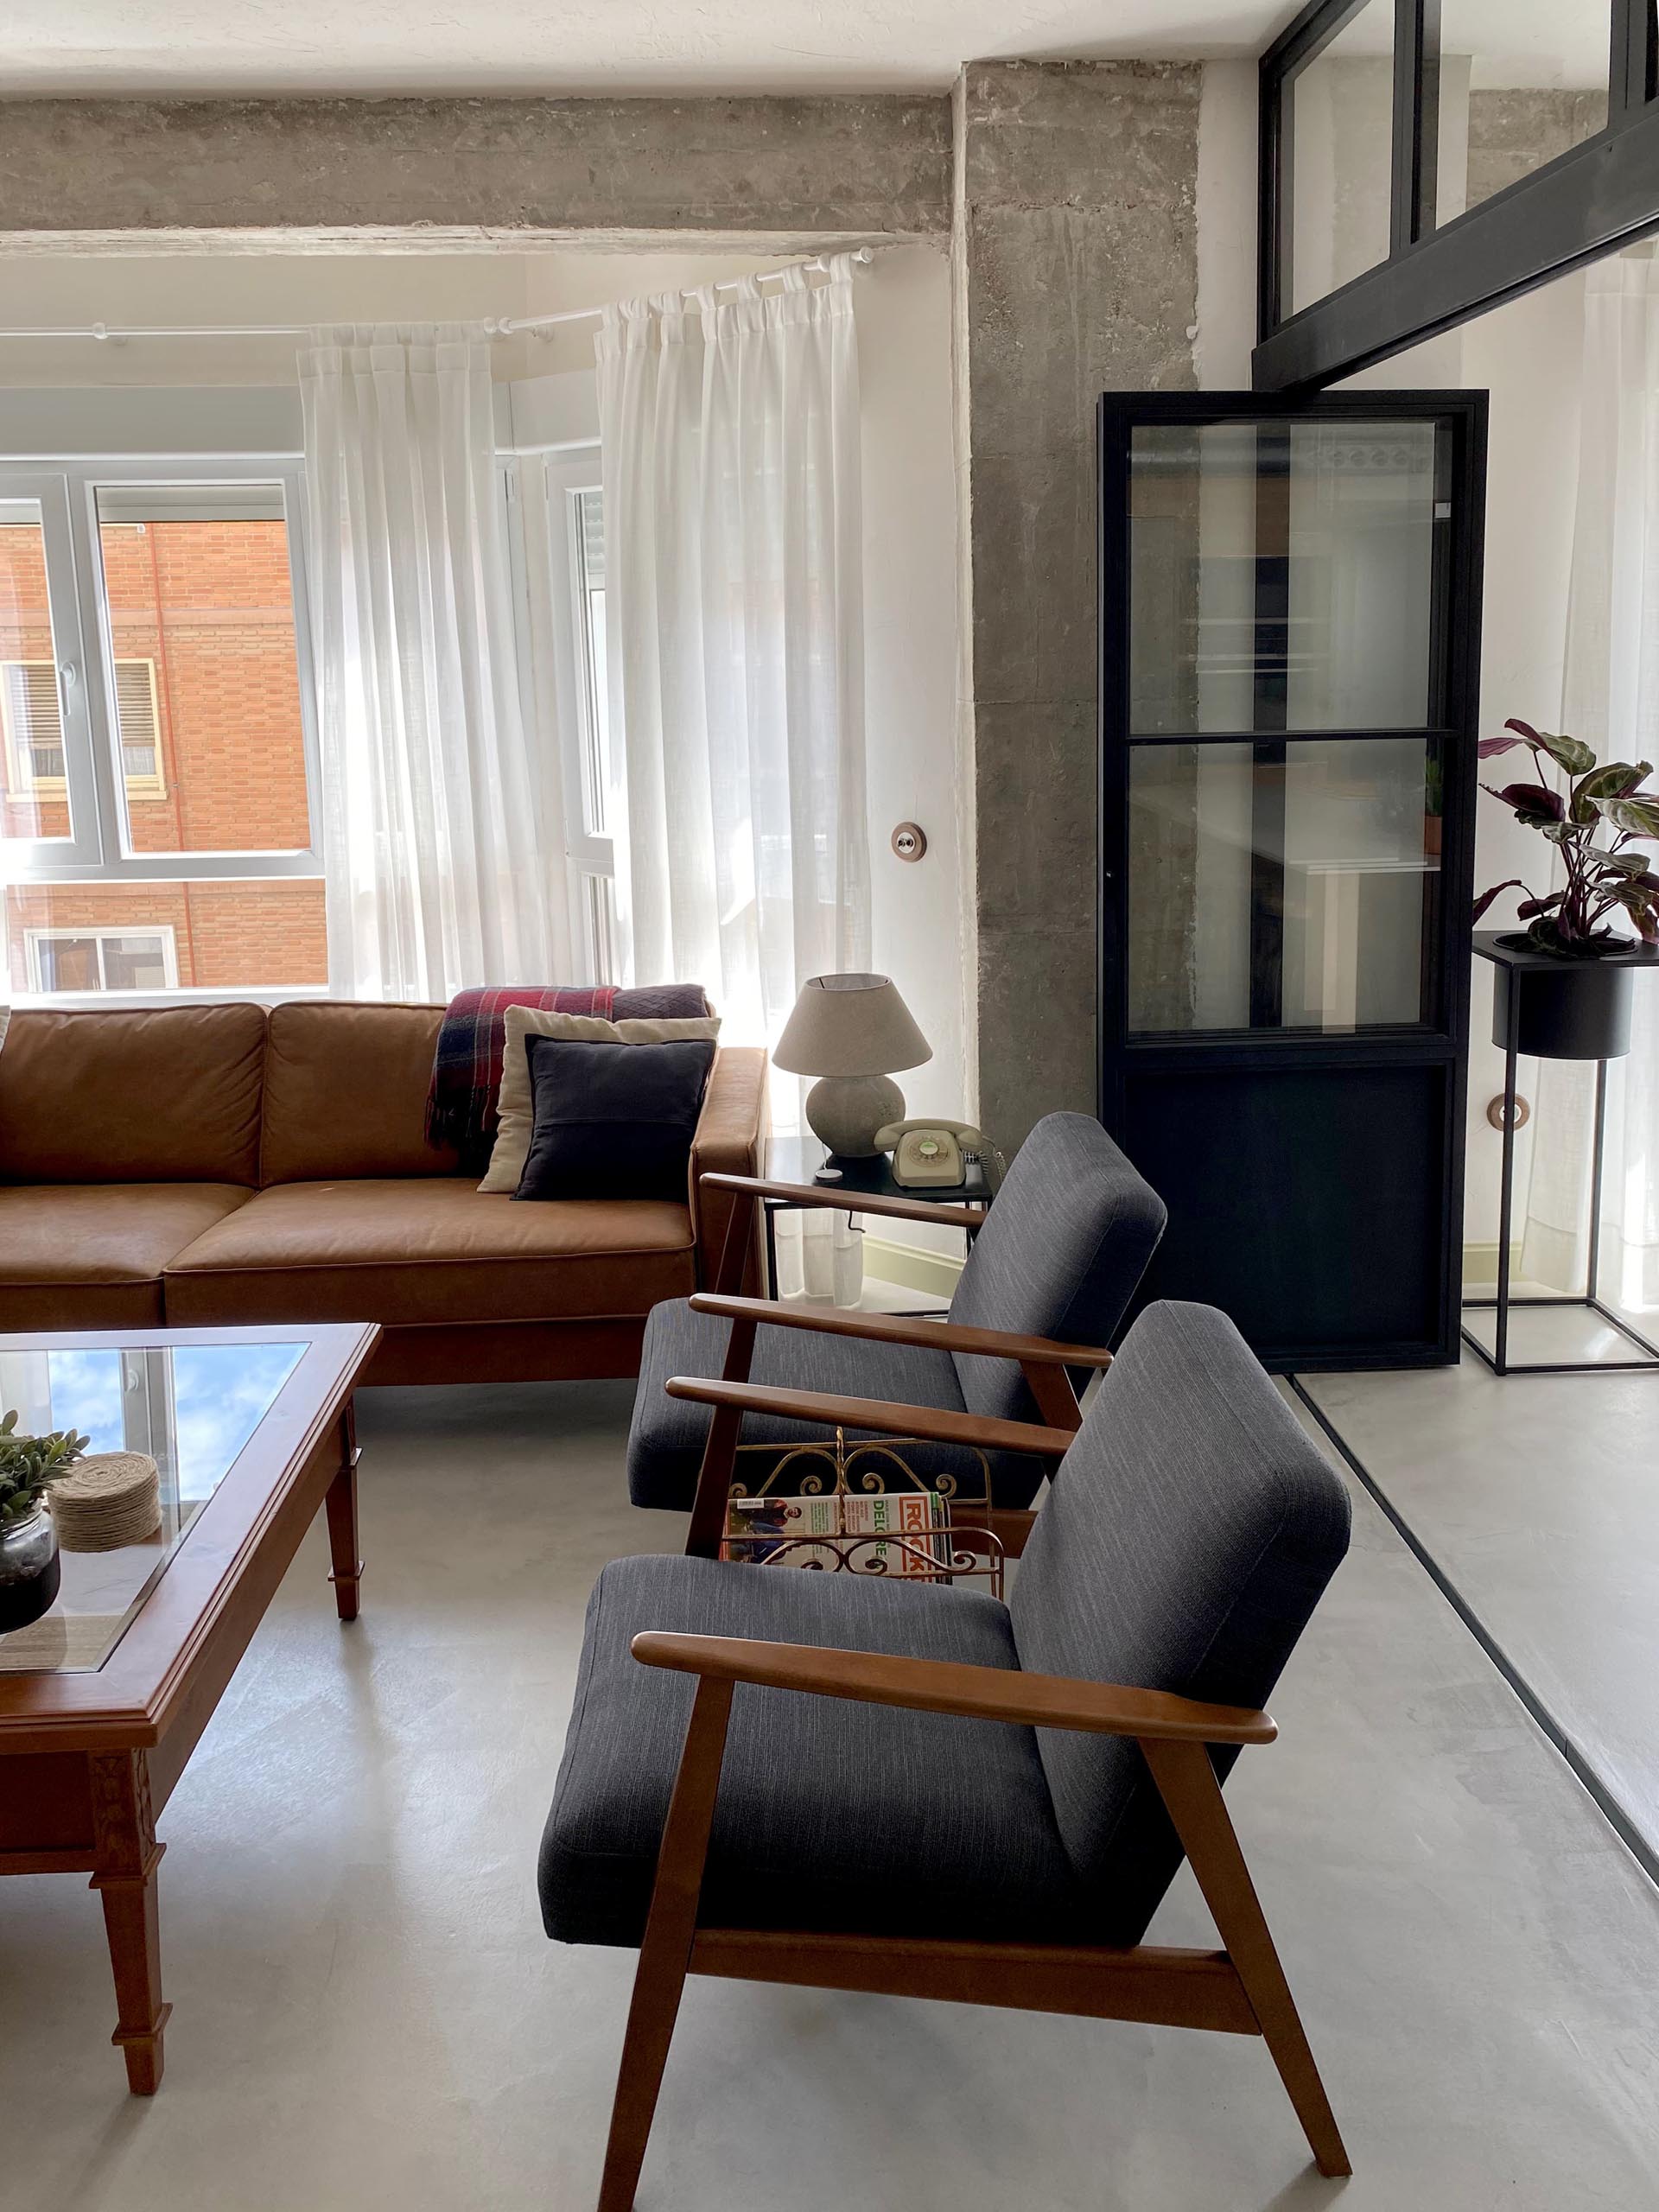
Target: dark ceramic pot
30, 1570
1570, 1009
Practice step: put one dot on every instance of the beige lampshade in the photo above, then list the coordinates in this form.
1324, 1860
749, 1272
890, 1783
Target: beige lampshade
850, 1024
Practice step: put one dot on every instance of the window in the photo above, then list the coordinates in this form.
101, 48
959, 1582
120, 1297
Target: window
101, 960
34, 727
29, 704
158, 773
559, 560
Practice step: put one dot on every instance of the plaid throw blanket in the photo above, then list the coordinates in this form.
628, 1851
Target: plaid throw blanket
467, 1071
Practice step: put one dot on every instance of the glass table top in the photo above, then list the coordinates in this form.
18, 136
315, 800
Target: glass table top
192, 1408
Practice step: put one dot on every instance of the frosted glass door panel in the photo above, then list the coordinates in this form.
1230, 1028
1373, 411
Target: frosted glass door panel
1281, 886
1359, 576
1282, 576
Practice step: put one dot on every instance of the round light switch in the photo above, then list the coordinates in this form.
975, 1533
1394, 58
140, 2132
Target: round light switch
909, 840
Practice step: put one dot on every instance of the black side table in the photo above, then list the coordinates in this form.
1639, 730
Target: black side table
1550, 1008
803, 1159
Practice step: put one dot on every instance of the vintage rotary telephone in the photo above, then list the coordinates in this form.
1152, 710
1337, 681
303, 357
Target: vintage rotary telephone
926, 1153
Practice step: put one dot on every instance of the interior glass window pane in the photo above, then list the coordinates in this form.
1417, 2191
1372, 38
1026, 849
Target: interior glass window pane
1521, 81
1276, 886
206, 679
225, 935
1282, 576
34, 773
1338, 141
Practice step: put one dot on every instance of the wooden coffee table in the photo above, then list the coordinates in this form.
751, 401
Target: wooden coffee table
102, 1702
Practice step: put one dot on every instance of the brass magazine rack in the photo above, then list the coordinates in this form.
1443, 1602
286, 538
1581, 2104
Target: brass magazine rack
859, 1508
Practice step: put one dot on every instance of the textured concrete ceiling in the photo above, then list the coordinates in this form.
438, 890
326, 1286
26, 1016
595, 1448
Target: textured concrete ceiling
106, 47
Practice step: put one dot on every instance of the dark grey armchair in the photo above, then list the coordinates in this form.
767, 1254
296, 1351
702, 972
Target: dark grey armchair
1056, 1756
1057, 1260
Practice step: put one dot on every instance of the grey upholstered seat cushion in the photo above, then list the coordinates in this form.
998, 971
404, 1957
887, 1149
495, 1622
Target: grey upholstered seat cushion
1185, 1540
1061, 1254
830, 1815
667, 1439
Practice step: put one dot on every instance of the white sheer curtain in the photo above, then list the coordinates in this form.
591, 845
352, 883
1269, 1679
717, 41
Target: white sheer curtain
729, 444
436, 877
1611, 699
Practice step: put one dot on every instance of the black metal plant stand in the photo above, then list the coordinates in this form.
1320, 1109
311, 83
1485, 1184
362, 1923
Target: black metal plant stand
1546, 1025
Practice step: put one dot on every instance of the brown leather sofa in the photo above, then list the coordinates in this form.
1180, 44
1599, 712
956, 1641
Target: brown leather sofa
205, 1164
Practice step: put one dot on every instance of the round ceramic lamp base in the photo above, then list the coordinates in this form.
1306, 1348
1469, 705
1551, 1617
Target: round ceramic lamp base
845, 1112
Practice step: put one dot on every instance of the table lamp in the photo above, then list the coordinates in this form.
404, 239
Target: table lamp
851, 1031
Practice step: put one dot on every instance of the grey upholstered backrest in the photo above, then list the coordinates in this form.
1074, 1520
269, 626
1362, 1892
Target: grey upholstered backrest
1183, 1547
1060, 1255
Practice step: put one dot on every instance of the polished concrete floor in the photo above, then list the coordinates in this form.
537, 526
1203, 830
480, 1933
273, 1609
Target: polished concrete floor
368, 2015
1537, 1498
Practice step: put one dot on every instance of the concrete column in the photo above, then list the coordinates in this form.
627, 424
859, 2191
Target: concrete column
1075, 243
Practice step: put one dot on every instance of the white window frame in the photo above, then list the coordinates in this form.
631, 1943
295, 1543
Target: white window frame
68, 934
97, 848
22, 779
555, 679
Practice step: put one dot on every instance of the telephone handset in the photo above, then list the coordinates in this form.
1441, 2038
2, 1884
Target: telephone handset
935, 1153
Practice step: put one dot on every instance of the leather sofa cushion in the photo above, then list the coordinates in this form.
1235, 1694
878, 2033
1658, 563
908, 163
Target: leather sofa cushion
141, 1095
345, 1091
91, 1255
410, 1250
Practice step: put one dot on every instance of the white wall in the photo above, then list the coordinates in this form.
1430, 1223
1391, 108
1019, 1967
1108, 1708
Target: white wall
1528, 356
189, 290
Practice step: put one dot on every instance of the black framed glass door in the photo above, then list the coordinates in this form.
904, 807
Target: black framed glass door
1289, 658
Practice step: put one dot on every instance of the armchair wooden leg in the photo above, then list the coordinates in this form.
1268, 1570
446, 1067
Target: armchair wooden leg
666, 1950
720, 1452
1187, 1784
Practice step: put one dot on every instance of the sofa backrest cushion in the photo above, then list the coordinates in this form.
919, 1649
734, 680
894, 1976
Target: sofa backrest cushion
346, 1088
132, 1095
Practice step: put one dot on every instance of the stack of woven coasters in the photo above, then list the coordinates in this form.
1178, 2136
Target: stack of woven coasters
106, 1500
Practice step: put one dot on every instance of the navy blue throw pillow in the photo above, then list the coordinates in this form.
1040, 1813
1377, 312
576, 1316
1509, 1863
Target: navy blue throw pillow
612, 1120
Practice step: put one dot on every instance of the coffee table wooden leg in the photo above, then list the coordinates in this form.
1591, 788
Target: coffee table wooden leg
341, 1506
125, 1879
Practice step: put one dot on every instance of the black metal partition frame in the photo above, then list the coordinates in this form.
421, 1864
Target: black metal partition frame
1588, 201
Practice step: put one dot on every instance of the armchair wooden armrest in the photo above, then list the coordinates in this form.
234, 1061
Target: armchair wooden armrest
941, 1685
825, 1194
935, 1426
902, 1328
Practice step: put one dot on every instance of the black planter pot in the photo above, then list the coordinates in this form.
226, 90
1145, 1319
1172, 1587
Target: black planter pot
1569, 1009
31, 1572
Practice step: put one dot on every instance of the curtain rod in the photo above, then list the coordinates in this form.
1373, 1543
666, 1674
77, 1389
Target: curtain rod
498, 327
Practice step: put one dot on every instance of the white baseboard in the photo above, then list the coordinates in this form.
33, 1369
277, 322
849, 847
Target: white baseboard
1480, 1264
909, 1265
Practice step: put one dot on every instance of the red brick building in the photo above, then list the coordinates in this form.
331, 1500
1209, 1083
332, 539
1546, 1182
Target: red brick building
201, 623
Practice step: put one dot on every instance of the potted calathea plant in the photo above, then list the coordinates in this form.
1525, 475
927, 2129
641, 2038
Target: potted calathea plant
30, 1570
1573, 1006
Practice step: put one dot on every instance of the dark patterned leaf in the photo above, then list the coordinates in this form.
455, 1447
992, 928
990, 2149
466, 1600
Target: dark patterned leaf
1616, 780
1528, 907
1639, 815
1573, 754
1496, 891
1489, 746
1531, 802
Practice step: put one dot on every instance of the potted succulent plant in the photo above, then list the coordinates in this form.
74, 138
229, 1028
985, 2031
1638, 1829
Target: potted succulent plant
1577, 1008
30, 1570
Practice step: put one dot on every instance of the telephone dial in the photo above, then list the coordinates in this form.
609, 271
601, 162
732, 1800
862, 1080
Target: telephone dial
937, 1152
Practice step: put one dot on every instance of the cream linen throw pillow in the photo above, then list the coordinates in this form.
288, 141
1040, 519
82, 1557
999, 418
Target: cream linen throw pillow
514, 1104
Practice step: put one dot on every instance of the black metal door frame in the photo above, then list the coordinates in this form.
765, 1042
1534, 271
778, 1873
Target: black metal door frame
1442, 1040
